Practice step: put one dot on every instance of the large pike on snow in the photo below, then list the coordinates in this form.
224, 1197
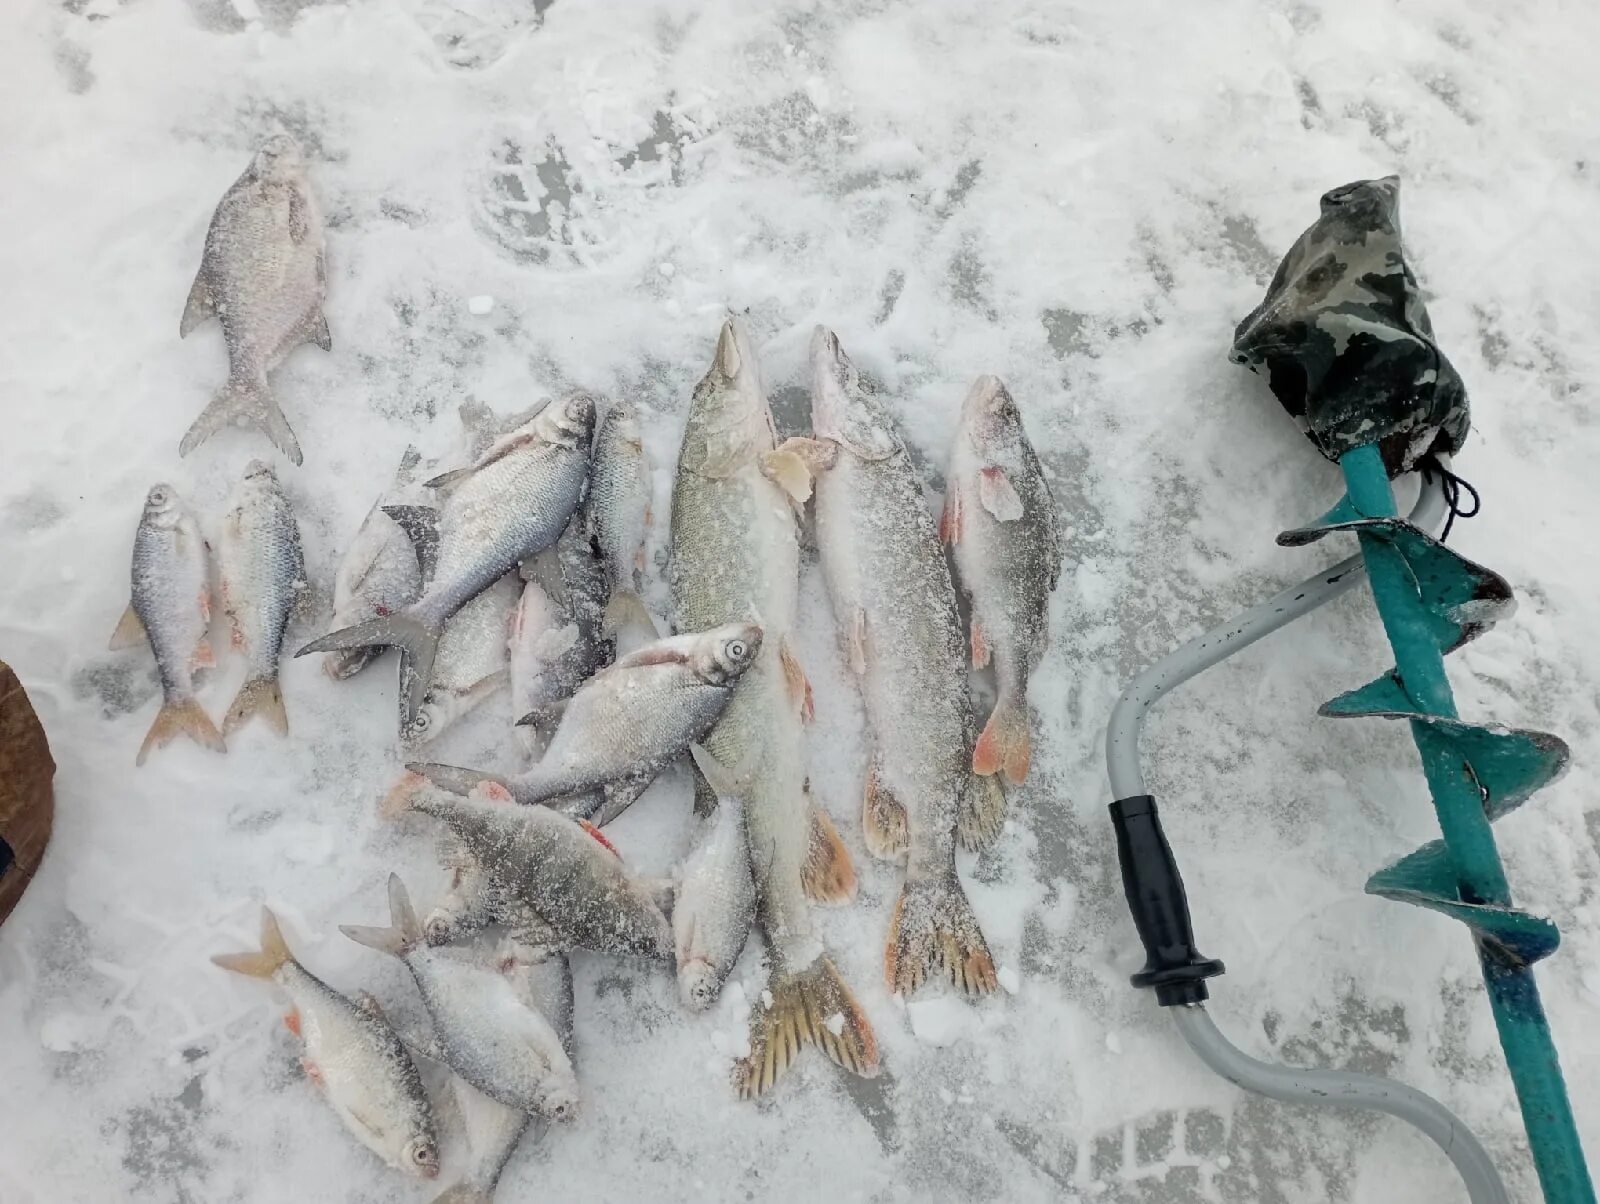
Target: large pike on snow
513, 502
1000, 521
896, 610
735, 557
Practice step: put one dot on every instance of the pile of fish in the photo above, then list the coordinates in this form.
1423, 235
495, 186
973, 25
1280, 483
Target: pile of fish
524, 569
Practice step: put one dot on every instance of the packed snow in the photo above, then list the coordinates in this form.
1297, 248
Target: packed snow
523, 198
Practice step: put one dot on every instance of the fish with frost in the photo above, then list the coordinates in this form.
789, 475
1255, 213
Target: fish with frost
556, 643
560, 870
618, 513
1000, 522
263, 576
481, 1030
263, 276
511, 503
472, 662
493, 1130
896, 609
715, 902
170, 607
735, 556
378, 575
351, 1053
630, 720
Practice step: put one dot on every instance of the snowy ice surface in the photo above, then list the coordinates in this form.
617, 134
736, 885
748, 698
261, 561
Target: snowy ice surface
1080, 197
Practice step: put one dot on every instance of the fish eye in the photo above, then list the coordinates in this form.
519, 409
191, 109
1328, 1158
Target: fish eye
425, 1155
421, 723
158, 496
736, 649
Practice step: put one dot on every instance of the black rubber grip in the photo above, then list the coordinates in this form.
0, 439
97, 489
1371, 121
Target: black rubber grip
1150, 879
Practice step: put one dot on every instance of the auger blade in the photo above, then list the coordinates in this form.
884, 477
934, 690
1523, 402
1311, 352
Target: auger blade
1384, 698
1462, 598
1427, 878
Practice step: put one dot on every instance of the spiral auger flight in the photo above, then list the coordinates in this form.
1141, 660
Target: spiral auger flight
1432, 600
1345, 341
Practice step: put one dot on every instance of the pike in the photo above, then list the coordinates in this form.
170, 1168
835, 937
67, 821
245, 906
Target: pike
896, 609
1000, 522
735, 557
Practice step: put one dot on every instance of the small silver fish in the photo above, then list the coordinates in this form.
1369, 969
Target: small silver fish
1000, 522
618, 513
561, 869
378, 575
472, 662
896, 608
263, 274
715, 902
735, 555
171, 609
511, 504
630, 720
363, 1068
494, 1130
552, 652
263, 576
482, 1030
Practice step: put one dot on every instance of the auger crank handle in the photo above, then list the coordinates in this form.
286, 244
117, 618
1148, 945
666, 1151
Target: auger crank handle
1154, 888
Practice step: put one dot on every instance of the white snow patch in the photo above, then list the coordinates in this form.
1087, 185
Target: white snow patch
942, 1020
480, 305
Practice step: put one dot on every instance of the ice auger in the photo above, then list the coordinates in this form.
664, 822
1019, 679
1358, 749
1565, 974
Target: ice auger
1345, 340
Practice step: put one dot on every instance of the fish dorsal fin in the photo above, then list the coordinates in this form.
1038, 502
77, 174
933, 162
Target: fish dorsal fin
498, 450
421, 525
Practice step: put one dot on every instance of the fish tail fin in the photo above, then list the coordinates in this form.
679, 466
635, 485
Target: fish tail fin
827, 875
402, 795
258, 696
248, 402
625, 608
273, 953
1005, 743
933, 931
403, 934
454, 778
883, 819
183, 717
417, 640
812, 1007
464, 1193
981, 812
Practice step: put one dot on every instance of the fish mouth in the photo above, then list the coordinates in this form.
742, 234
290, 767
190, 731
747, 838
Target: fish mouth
839, 409
987, 409
259, 470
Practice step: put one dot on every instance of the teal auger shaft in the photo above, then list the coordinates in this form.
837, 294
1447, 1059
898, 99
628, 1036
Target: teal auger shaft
1480, 877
